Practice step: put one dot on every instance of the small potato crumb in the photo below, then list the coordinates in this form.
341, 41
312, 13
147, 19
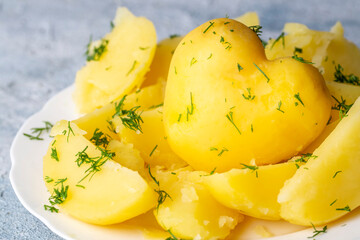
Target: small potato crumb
226, 221
262, 231
188, 194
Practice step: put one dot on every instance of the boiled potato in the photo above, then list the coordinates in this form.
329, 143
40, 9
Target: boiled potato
327, 187
108, 195
252, 191
325, 49
190, 212
129, 49
101, 118
152, 142
159, 67
226, 104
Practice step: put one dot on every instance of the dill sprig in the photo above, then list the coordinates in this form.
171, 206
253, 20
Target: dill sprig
48, 179
100, 139
279, 107
280, 37
173, 237
346, 208
132, 68
251, 167
129, 118
337, 172
54, 154
38, 131
162, 194
342, 78
262, 72
341, 106
68, 131
256, 29
297, 96
304, 158
152, 151
94, 53
190, 111
239, 67
58, 196
210, 25
229, 116
249, 96
317, 232
300, 59
94, 162
222, 151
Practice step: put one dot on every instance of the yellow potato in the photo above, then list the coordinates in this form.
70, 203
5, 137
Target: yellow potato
252, 191
191, 212
159, 67
152, 142
325, 49
101, 118
327, 187
110, 194
129, 49
226, 104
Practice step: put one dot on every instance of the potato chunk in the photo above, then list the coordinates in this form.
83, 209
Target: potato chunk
191, 212
252, 192
108, 195
152, 142
327, 187
226, 104
129, 49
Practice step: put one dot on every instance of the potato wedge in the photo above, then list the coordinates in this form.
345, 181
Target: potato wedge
327, 187
127, 52
190, 212
99, 193
252, 192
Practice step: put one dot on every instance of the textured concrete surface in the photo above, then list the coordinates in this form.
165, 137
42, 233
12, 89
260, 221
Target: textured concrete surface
42, 44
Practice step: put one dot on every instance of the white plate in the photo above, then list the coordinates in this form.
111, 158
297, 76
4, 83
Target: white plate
26, 179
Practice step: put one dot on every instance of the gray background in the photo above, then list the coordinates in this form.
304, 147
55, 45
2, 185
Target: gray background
42, 45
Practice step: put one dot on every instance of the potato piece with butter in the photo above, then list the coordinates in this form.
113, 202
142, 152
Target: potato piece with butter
92, 187
118, 64
189, 211
327, 187
226, 104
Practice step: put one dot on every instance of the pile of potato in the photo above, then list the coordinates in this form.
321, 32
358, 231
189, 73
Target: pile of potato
206, 128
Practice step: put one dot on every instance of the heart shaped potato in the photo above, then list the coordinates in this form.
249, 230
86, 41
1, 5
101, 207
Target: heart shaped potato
227, 105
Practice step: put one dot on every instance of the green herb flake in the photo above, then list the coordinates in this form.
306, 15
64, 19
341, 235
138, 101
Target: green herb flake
153, 150
190, 111
300, 59
130, 118
304, 158
152, 177
317, 232
342, 78
38, 131
172, 236
174, 36
341, 106
48, 179
346, 208
251, 167
80, 186
144, 48
210, 25
193, 61
54, 154
229, 116
333, 202
279, 107
100, 139
267, 78
132, 68
94, 53
336, 174
213, 149
297, 96
222, 151
179, 118
156, 106
239, 67
248, 96
209, 56
297, 50
280, 37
